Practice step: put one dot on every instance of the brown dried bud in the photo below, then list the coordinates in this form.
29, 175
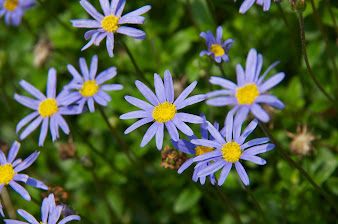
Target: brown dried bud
67, 151
301, 141
179, 85
172, 158
4, 147
60, 194
41, 51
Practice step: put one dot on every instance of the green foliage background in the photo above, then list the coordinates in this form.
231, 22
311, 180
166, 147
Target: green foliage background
108, 188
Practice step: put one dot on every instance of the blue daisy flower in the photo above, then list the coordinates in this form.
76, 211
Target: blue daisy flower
217, 49
88, 87
109, 23
48, 110
246, 5
230, 150
10, 168
249, 91
50, 213
163, 110
14, 10
190, 148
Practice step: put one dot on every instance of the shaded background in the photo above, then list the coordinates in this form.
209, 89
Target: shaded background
102, 184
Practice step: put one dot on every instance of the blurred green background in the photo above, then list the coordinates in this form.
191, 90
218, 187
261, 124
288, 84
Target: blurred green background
102, 185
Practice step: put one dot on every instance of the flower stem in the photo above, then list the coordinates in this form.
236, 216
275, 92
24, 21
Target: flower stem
127, 152
298, 167
7, 203
256, 203
302, 32
227, 200
219, 65
284, 17
332, 16
137, 68
324, 36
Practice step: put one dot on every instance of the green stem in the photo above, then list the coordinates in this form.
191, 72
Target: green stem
192, 19
324, 36
302, 32
283, 16
256, 203
219, 65
295, 165
137, 68
127, 152
228, 202
332, 16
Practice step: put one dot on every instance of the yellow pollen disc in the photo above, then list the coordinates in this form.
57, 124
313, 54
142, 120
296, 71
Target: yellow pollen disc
11, 4
109, 23
89, 88
203, 149
6, 173
43, 223
217, 50
247, 94
48, 107
231, 152
164, 112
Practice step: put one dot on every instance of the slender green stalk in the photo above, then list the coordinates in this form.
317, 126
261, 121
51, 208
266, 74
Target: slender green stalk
228, 202
297, 166
137, 68
324, 36
127, 152
332, 16
212, 10
103, 196
256, 203
191, 17
283, 16
219, 65
302, 32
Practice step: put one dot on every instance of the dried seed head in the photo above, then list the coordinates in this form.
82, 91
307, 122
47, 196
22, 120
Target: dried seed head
41, 51
301, 141
172, 158
67, 151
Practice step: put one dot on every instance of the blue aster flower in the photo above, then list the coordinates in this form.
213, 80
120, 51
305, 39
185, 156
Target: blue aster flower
50, 213
10, 168
190, 148
246, 5
14, 10
109, 23
163, 110
230, 148
217, 49
88, 87
249, 91
48, 110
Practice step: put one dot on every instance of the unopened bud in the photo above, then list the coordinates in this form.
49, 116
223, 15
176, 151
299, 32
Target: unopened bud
298, 5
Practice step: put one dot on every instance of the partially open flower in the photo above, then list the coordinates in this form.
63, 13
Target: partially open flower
301, 141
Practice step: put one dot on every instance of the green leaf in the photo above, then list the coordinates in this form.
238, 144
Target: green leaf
187, 199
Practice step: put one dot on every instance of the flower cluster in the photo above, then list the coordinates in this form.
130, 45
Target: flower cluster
50, 213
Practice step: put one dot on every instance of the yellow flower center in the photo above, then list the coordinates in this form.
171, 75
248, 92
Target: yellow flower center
247, 94
231, 152
11, 4
164, 112
6, 173
217, 50
48, 107
203, 149
89, 88
109, 23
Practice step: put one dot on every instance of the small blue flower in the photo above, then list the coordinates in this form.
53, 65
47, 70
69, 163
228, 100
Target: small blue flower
88, 87
230, 150
50, 213
163, 110
14, 10
216, 47
10, 168
109, 23
190, 148
48, 110
249, 91
246, 5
